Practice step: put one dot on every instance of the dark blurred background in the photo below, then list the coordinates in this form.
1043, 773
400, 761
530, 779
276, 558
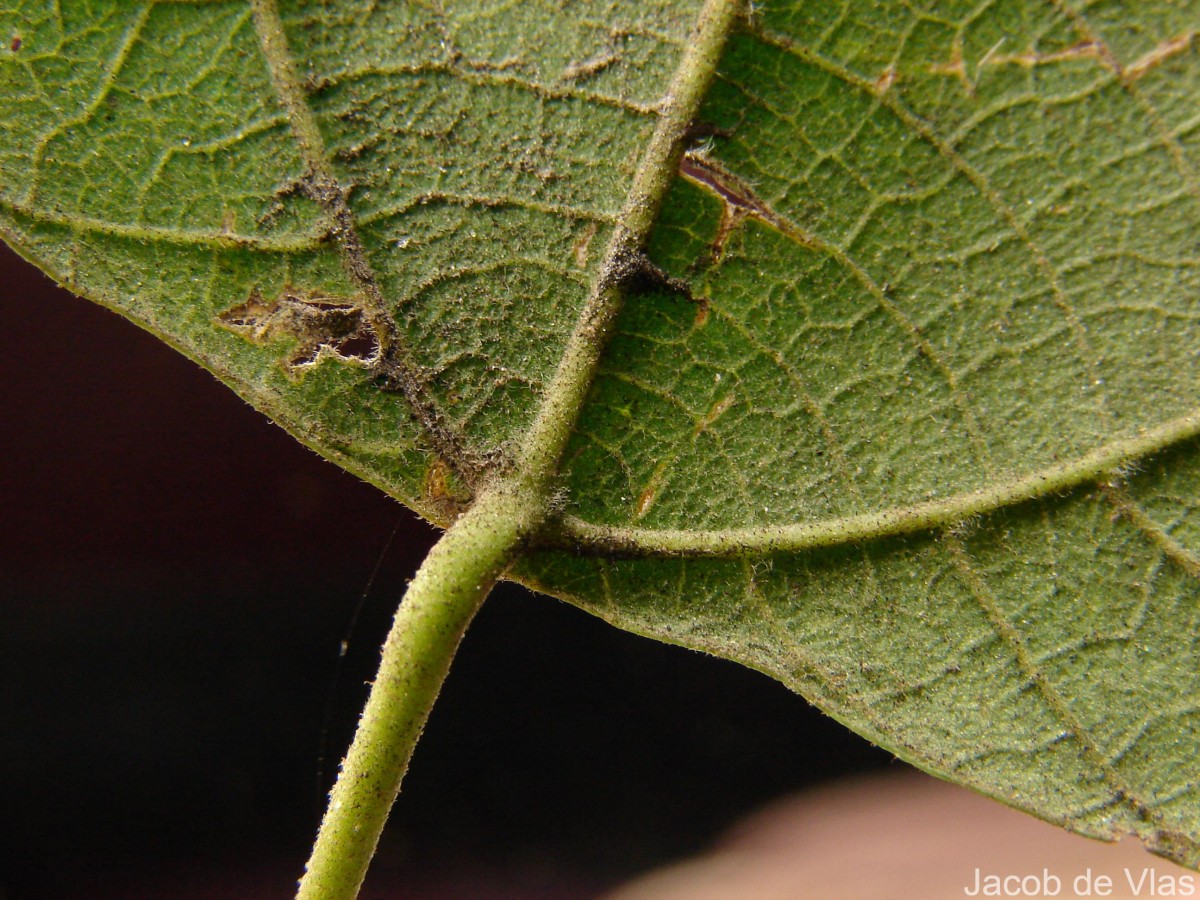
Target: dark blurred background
177, 577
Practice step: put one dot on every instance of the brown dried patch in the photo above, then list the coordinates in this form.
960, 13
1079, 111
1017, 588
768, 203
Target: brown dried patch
1164, 51
731, 217
441, 491
955, 67
322, 327
719, 409
582, 245
1087, 49
1090, 48
589, 68
646, 500
729, 187
1093, 48
739, 201
647, 497
649, 494
884, 82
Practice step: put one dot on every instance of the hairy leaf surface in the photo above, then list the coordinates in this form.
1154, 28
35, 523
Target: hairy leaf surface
904, 413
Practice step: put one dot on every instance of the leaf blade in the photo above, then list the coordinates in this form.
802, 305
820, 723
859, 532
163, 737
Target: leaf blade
922, 257
899, 333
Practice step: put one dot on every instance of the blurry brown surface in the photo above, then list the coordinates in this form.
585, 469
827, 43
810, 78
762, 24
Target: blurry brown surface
906, 837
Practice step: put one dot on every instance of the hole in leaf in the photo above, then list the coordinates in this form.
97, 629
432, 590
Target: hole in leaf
322, 327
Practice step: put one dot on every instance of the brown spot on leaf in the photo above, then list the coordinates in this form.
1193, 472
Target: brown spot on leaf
647, 497
583, 243
955, 67
1087, 49
589, 67
645, 501
447, 498
322, 327
719, 409
708, 173
1091, 47
886, 79
731, 217
739, 201
1163, 51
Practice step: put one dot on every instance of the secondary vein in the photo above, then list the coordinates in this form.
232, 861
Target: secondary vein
323, 187
1096, 465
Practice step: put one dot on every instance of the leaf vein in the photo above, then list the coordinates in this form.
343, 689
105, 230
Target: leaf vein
1156, 534
925, 131
1093, 466
333, 197
1092, 752
104, 86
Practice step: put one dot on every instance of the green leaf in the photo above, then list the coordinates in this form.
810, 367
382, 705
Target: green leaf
902, 411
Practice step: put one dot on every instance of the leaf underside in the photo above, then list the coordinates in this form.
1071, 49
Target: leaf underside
933, 296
